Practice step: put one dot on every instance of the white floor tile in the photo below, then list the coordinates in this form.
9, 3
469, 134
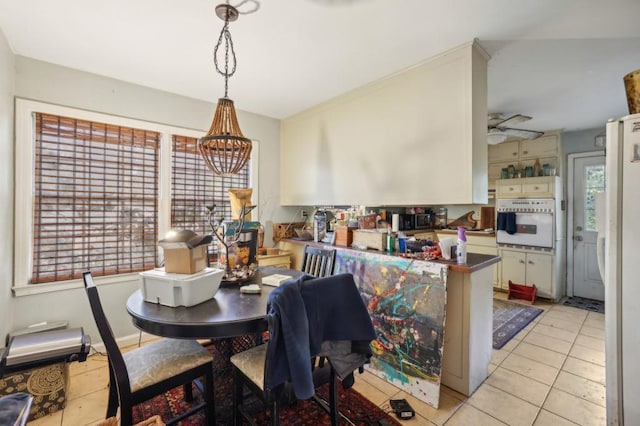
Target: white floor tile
597, 333
581, 387
518, 385
556, 333
575, 409
530, 368
587, 354
540, 354
547, 418
503, 406
548, 342
469, 415
585, 369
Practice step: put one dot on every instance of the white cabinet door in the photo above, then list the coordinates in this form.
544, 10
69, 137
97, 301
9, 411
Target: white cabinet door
513, 267
544, 146
539, 271
506, 151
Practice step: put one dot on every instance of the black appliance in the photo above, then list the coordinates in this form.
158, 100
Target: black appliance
425, 220
407, 222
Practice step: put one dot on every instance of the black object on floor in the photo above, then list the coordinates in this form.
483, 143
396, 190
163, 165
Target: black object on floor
582, 303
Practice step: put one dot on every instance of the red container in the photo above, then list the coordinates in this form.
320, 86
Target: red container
521, 291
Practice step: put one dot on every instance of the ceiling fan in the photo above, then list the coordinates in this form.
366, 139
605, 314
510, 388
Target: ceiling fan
499, 128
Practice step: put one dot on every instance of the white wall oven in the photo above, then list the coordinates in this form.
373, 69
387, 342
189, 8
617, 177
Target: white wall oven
526, 222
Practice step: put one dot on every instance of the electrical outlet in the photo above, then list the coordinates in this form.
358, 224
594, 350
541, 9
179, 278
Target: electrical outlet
304, 214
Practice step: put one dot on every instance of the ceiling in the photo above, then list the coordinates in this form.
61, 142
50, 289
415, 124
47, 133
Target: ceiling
561, 62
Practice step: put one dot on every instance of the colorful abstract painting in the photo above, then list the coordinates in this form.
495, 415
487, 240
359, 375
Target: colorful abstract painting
406, 299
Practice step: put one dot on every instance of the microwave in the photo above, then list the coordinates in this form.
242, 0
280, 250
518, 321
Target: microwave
410, 222
424, 220
407, 222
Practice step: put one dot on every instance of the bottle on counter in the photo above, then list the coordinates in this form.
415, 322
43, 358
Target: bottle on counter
461, 246
391, 245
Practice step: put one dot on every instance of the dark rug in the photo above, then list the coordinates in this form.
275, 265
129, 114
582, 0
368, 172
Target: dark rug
358, 409
509, 318
582, 303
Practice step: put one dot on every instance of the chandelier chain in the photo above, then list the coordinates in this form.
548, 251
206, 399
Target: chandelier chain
228, 47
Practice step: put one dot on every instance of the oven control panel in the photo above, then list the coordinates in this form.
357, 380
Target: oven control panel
543, 205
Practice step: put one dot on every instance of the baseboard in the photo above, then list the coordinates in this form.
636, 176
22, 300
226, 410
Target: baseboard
125, 341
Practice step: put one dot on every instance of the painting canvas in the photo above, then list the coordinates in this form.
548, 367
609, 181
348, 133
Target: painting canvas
406, 300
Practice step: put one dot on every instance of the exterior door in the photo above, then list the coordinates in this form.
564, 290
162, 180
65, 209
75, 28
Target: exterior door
588, 179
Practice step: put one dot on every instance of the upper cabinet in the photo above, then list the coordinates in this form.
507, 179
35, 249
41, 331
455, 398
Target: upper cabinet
522, 153
416, 137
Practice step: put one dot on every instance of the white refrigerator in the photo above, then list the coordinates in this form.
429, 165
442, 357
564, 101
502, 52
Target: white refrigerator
622, 271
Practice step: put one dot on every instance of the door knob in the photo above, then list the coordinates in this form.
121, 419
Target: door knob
578, 238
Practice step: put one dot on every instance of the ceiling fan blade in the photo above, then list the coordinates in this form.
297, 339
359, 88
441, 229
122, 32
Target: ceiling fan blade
514, 119
521, 133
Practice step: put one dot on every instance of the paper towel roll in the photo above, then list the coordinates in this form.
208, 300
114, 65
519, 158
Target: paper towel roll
395, 222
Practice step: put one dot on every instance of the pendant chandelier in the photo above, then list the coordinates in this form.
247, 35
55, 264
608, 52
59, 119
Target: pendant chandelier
224, 148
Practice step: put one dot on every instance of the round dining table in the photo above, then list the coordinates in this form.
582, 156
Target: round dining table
229, 313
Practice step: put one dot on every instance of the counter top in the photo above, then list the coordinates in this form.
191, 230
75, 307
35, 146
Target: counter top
474, 263
455, 232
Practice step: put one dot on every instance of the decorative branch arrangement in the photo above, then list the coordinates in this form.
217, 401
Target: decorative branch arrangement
219, 230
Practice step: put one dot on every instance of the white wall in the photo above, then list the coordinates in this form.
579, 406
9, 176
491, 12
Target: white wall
7, 64
64, 86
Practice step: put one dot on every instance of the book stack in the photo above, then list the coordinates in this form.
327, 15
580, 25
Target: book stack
275, 279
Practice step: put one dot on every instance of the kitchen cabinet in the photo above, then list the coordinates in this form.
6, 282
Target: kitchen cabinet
370, 146
547, 149
539, 187
522, 267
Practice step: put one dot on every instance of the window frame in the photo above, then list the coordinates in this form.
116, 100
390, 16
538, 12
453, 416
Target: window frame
24, 183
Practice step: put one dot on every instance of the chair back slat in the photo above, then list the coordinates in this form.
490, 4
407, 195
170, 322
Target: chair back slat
318, 262
114, 355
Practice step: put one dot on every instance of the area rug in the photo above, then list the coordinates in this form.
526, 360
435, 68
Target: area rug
358, 409
509, 318
582, 303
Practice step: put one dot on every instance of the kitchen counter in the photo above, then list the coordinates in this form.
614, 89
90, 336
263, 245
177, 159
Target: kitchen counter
479, 233
468, 331
474, 263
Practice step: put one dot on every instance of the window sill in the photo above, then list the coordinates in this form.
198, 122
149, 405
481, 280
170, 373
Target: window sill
33, 289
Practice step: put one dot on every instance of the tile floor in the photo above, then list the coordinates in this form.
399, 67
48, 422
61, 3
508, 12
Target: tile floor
551, 373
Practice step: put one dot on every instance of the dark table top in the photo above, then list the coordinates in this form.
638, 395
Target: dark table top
230, 313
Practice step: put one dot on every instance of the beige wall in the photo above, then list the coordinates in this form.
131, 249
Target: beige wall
6, 186
50, 83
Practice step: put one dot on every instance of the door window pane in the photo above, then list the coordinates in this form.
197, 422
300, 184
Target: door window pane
594, 183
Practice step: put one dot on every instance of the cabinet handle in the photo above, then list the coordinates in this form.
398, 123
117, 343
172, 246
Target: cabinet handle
525, 152
536, 188
530, 263
511, 188
521, 261
515, 153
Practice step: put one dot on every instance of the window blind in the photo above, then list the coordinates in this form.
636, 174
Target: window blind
95, 200
194, 187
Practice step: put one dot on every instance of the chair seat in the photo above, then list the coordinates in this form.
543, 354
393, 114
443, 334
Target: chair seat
251, 364
163, 359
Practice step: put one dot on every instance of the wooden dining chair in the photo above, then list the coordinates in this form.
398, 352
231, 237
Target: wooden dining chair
318, 262
153, 369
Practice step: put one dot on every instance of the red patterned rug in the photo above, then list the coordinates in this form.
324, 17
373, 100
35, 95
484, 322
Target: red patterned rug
358, 409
